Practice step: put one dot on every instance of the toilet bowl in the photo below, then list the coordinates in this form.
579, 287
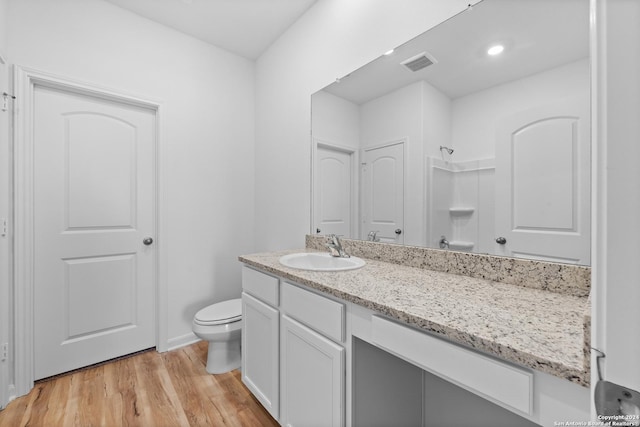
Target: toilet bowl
221, 325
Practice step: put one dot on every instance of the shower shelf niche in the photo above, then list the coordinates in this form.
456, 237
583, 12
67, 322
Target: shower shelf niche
460, 245
460, 215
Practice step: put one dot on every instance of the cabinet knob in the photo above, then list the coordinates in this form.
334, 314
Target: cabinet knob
398, 231
501, 240
147, 241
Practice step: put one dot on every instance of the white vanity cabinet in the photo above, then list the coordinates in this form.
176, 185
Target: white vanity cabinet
260, 338
312, 379
293, 359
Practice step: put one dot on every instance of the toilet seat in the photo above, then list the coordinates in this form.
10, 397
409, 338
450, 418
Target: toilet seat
220, 313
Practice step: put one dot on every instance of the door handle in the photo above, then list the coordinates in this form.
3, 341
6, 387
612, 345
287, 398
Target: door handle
147, 241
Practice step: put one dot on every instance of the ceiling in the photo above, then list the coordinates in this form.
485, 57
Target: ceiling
537, 35
244, 27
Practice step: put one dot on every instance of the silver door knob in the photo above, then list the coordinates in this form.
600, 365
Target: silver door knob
501, 240
398, 231
147, 241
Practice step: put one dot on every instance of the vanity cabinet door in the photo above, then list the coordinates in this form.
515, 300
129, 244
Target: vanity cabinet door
260, 352
312, 382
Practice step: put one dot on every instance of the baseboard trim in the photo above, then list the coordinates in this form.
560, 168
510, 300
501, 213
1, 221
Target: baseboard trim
182, 341
11, 396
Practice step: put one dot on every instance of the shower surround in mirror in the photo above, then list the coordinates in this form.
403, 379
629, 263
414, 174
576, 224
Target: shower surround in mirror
520, 164
461, 201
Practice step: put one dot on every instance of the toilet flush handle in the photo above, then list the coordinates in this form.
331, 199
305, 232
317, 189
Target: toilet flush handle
147, 241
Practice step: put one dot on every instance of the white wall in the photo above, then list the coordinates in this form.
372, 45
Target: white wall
436, 111
4, 5
475, 116
335, 120
207, 129
332, 39
391, 117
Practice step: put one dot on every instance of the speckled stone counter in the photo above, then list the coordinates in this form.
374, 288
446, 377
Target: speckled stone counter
562, 278
532, 327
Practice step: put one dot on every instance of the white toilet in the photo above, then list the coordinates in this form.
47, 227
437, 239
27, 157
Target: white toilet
221, 325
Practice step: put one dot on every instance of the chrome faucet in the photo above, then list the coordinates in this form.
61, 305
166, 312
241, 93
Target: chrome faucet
373, 236
335, 247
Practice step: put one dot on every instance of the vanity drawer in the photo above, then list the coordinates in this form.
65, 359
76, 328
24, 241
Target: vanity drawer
322, 314
497, 381
260, 285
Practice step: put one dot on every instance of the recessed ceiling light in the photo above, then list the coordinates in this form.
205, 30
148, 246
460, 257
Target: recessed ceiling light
495, 50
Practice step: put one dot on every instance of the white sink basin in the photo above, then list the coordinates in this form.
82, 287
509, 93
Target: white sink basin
319, 261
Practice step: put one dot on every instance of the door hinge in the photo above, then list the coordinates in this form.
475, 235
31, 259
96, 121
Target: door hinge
3, 227
4, 353
5, 100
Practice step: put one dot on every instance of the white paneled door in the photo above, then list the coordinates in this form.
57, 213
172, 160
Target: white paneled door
383, 193
5, 248
334, 199
542, 183
94, 222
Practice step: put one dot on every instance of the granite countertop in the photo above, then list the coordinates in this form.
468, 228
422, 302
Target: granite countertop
534, 328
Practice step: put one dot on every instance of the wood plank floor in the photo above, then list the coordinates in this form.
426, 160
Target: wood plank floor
148, 389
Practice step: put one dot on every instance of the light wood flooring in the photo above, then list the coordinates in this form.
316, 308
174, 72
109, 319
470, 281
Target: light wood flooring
148, 389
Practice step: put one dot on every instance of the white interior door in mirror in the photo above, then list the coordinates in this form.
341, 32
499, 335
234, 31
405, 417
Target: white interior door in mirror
383, 193
334, 200
542, 183
94, 204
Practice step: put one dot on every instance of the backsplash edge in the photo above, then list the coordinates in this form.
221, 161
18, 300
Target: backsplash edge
568, 279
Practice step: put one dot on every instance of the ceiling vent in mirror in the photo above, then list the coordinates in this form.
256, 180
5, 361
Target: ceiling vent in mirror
418, 62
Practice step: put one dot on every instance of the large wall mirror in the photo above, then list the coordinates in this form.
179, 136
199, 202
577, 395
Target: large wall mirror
474, 136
